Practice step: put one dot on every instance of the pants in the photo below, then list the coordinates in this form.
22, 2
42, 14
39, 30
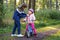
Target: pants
33, 27
16, 26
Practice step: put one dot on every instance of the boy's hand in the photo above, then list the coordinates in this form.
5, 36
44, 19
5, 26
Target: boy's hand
22, 21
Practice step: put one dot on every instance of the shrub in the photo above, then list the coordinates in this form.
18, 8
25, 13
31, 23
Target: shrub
48, 17
55, 14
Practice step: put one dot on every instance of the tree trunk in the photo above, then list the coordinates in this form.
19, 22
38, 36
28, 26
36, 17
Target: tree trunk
14, 5
56, 4
7, 3
47, 3
1, 13
43, 4
22, 1
50, 4
29, 4
33, 5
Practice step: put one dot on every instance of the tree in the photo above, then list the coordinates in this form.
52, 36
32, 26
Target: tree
1, 13
50, 4
22, 1
43, 4
7, 3
14, 4
56, 4
29, 4
33, 5
47, 3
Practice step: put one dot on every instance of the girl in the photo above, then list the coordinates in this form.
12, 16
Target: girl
18, 14
30, 20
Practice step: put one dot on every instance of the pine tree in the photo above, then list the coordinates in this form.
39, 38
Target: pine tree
14, 4
33, 4
50, 3
29, 4
1, 13
56, 4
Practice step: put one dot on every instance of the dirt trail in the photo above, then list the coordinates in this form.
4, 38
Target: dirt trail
40, 36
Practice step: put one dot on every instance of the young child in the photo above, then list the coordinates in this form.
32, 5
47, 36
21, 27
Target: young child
18, 14
30, 20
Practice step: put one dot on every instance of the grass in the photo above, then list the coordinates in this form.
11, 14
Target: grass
41, 29
53, 37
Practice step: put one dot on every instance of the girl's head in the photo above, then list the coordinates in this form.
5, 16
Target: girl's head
31, 11
22, 6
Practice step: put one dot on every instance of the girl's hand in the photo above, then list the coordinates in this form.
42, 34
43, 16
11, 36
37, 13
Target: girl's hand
23, 21
29, 22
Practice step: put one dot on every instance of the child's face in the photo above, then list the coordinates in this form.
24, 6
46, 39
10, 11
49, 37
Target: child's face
29, 12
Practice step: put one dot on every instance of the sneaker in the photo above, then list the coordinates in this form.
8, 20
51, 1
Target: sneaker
13, 34
35, 35
31, 34
20, 35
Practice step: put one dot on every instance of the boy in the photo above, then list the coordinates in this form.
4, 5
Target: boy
18, 14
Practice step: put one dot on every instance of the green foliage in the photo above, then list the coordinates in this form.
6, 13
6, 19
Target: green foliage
50, 14
1, 13
48, 17
55, 14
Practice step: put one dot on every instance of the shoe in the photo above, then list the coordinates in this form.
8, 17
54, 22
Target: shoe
20, 35
13, 34
31, 34
35, 35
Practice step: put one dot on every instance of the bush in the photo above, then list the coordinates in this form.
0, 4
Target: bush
55, 14
1, 14
48, 17
49, 14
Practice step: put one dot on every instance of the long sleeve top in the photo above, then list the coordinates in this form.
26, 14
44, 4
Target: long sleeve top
30, 18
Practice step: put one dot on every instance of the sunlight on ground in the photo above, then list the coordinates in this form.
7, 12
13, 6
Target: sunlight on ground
47, 28
57, 34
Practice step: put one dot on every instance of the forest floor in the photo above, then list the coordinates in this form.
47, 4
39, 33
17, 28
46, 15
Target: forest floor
40, 36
